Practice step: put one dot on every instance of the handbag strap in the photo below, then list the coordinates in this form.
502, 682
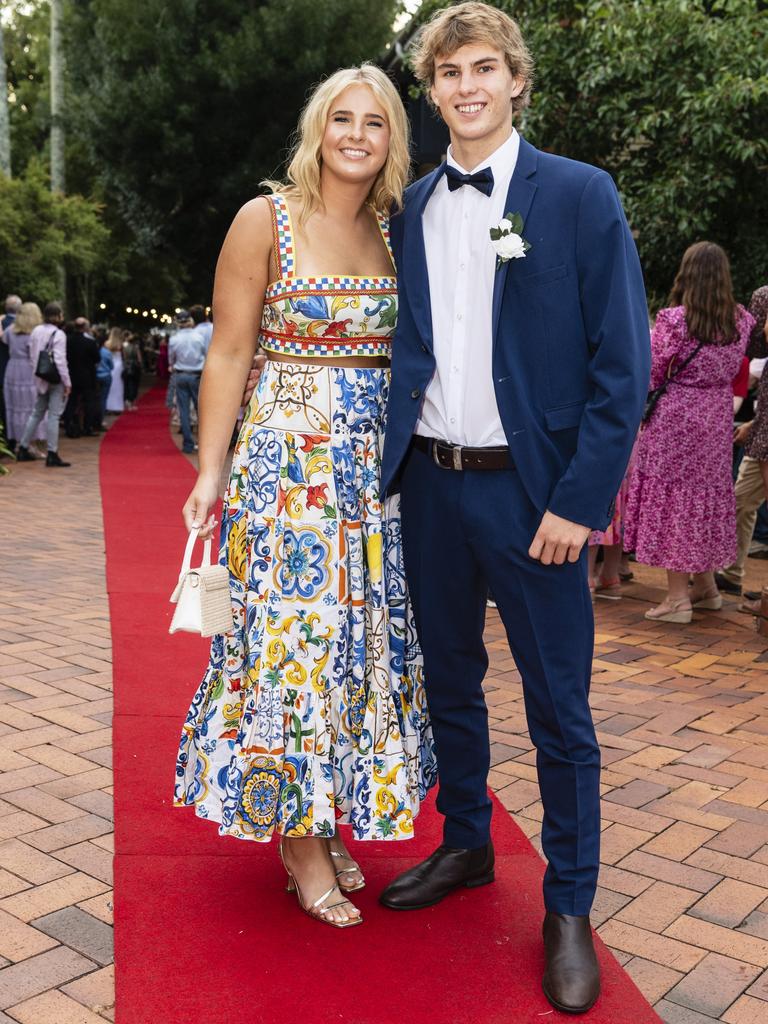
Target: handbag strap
682, 366
187, 561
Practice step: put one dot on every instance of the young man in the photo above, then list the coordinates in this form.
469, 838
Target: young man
517, 390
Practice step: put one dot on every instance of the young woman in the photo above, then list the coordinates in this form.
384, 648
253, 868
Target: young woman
311, 714
116, 393
19, 386
681, 511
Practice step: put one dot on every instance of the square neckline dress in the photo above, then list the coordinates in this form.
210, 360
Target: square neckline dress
311, 712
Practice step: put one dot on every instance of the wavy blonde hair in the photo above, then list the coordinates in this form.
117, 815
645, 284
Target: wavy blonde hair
115, 339
453, 27
303, 174
27, 319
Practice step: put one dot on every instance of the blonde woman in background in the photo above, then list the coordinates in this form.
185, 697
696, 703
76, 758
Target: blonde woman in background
116, 395
19, 390
311, 714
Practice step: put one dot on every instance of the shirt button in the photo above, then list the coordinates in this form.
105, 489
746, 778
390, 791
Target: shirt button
453, 419
416, 393
458, 316
462, 266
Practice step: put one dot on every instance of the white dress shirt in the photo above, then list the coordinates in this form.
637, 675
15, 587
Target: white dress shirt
460, 403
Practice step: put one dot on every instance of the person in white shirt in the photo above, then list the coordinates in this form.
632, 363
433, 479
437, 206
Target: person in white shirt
51, 397
187, 350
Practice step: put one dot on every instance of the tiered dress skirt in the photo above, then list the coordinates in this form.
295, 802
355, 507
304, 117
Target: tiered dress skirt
312, 710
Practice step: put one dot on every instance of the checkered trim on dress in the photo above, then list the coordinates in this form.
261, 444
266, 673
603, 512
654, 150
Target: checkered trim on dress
285, 246
369, 346
331, 285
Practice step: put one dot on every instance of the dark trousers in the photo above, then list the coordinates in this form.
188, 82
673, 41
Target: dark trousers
464, 532
82, 414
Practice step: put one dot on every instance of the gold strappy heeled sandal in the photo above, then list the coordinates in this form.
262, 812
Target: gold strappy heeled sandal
347, 871
316, 910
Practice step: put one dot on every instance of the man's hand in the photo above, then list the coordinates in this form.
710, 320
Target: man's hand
259, 362
557, 540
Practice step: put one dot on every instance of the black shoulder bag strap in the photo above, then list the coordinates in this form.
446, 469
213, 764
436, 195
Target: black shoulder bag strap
655, 395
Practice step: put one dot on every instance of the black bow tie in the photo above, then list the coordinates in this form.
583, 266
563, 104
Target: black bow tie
481, 180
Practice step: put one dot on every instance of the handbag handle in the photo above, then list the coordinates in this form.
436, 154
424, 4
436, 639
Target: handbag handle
186, 563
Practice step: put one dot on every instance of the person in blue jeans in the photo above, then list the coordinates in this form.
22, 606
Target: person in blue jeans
186, 357
104, 370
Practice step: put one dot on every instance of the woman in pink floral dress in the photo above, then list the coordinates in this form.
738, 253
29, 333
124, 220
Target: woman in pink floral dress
681, 511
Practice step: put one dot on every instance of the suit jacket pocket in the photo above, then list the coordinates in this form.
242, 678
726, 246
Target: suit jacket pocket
564, 416
543, 276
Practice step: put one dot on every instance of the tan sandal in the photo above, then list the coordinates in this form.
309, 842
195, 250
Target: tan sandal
347, 871
316, 910
675, 613
709, 603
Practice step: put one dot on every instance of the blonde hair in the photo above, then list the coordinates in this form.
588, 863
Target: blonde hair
115, 339
450, 29
303, 174
27, 319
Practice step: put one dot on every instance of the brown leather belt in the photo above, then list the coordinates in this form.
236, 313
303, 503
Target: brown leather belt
455, 456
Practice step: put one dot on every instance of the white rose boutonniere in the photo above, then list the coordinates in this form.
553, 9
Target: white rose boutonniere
507, 239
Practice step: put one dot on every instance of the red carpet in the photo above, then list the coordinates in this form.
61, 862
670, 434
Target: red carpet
204, 933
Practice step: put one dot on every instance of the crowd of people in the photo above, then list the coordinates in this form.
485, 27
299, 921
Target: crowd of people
89, 371
677, 508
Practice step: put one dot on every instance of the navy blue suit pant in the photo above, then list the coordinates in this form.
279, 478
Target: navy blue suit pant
464, 532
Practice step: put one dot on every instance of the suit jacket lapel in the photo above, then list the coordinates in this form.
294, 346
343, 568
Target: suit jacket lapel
520, 195
415, 276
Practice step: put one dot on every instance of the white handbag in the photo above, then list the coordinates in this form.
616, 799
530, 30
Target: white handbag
203, 603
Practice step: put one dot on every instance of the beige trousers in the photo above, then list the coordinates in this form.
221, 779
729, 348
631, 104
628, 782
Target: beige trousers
750, 495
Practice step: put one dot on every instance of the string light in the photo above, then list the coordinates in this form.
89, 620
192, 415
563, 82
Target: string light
102, 305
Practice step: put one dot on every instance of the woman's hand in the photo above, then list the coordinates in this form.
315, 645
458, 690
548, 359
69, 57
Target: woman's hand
198, 508
742, 432
259, 362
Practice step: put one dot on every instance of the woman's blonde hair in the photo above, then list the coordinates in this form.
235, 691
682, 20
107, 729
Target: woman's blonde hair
115, 339
27, 319
303, 174
450, 29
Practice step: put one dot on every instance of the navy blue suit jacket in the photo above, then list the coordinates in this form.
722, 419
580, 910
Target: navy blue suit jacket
571, 347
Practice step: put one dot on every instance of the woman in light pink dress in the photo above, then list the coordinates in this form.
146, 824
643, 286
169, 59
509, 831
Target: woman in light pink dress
681, 512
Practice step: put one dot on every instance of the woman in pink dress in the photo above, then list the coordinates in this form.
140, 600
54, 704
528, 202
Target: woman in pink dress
681, 512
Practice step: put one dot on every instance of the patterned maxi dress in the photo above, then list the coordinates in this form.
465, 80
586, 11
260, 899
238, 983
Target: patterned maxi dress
312, 710
681, 510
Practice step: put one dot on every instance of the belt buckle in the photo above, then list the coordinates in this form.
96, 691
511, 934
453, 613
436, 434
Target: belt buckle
457, 464
455, 450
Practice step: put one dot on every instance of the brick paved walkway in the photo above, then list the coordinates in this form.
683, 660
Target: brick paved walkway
682, 716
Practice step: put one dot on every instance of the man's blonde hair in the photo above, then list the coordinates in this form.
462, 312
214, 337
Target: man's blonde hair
304, 167
450, 29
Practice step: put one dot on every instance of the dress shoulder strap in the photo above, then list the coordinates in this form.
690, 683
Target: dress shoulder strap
384, 228
282, 231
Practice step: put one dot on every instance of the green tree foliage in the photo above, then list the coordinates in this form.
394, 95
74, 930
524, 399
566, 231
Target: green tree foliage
40, 230
181, 107
671, 97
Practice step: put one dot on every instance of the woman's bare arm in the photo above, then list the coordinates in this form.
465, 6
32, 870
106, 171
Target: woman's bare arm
242, 274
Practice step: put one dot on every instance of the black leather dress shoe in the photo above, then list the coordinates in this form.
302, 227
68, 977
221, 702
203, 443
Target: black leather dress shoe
572, 976
447, 869
727, 586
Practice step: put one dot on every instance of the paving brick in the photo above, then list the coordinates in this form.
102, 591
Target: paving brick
54, 1008
713, 984
760, 988
658, 906
95, 990
43, 805
89, 858
34, 775
741, 839
619, 840
100, 906
69, 832
756, 924
626, 882
735, 867
678, 841
81, 931
672, 1013
680, 956
30, 977
76, 785
52, 896
718, 940
29, 863
19, 941
18, 824
745, 1010
729, 903
9, 883
665, 870
652, 979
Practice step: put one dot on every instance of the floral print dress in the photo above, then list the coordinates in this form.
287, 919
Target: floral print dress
312, 712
